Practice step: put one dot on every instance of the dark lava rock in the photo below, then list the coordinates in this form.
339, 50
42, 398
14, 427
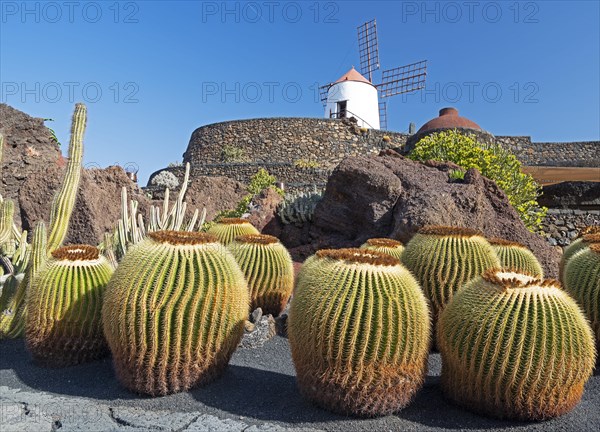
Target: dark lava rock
571, 194
390, 196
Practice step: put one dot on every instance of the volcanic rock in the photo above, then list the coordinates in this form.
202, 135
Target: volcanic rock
390, 196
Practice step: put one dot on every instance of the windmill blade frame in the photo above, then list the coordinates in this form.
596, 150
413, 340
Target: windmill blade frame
403, 79
368, 48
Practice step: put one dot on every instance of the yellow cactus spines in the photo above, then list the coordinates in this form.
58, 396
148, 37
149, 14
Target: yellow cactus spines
444, 258
359, 332
268, 268
514, 346
516, 256
174, 312
385, 245
64, 305
582, 281
580, 243
228, 229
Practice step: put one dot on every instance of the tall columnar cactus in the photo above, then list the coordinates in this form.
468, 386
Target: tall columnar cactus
582, 281
443, 259
174, 312
64, 306
12, 302
12, 318
359, 332
579, 244
513, 255
268, 268
385, 245
64, 201
514, 346
228, 229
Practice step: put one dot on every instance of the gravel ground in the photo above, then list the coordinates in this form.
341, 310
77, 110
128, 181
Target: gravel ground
257, 393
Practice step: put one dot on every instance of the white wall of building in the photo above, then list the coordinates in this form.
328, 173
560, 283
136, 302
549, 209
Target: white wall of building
362, 102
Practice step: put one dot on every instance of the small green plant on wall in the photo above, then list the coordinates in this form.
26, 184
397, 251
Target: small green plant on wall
306, 163
231, 153
494, 162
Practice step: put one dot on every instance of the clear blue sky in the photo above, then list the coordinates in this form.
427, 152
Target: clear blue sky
165, 68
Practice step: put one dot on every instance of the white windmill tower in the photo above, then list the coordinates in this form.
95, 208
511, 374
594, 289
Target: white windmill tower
355, 95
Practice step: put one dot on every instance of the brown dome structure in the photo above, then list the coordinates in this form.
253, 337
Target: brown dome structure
449, 119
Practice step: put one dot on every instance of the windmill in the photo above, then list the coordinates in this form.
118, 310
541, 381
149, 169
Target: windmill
399, 80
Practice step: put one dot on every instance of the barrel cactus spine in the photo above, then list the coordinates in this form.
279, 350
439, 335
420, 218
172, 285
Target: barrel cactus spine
513, 255
514, 346
359, 332
385, 245
580, 243
64, 305
174, 312
227, 229
444, 258
268, 268
582, 281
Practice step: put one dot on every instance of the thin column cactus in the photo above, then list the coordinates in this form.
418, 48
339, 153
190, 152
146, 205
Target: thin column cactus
12, 317
131, 228
515, 346
359, 332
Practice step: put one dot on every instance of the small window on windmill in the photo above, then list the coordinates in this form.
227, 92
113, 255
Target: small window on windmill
341, 109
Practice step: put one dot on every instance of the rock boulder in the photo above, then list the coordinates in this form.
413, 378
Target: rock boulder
391, 196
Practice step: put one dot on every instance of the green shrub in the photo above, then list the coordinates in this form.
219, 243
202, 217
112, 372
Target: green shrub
306, 163
494, 162
260, 181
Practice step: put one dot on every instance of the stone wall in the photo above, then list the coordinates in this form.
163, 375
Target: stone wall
565, 154
287, 173
286, 139
562, 226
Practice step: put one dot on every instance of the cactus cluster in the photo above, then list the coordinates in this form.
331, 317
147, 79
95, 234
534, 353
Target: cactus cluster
385, 245
592, 236
359, 332
444, 258
582, 281
516, 256
514, 346
64, 304
268, 268
227, 229
13, 313
174, 312
299, 208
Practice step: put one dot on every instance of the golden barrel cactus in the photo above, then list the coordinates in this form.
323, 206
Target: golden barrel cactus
64, 306
359, 332
268, 268
227, 229
582, 281
385, 245
444, 258
515, 346
513, 255
174, 312
580, 243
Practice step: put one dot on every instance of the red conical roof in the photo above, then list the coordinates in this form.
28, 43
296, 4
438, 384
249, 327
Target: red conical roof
353, 75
